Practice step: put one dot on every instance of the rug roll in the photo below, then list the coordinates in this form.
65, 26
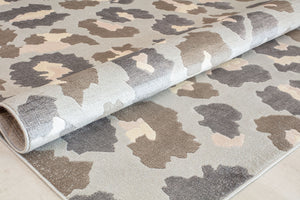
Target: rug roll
78, 91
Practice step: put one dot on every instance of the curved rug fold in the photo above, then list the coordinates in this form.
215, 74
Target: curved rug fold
67, 64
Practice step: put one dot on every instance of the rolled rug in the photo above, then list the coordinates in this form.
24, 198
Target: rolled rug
54, 85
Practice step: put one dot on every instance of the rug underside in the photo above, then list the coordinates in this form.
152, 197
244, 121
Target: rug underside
87, 93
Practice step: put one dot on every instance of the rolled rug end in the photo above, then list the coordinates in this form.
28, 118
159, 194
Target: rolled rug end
13, 130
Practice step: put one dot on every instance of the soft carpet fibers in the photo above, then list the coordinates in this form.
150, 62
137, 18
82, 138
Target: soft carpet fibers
200, 139
67, 65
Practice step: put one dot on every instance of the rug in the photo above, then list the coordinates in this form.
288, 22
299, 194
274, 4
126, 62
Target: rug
201, 139
69, 66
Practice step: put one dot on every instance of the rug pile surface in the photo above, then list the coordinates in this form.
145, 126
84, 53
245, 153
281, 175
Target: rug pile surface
87, 93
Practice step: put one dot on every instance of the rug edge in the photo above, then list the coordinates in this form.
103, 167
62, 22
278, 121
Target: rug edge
39, 175
261, 173
227, 197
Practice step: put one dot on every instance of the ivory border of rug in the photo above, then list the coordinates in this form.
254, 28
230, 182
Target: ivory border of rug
228, 197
